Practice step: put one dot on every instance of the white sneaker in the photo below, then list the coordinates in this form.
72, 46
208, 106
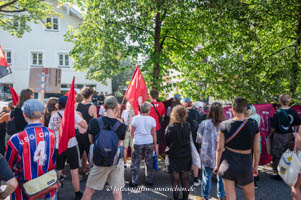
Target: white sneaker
197, 183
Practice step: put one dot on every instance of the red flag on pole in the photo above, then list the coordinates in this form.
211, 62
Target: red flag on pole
14, 95
4, 66
67, 129
136, 93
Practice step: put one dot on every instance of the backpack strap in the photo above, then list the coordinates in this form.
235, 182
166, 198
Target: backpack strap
116, 126
100, 123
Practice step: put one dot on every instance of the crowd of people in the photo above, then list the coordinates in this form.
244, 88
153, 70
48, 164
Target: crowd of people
203, 144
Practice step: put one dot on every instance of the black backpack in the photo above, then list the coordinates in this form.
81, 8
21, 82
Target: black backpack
106, 152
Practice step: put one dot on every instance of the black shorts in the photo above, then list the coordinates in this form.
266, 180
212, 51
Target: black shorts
71, 155
83, 143
236, 167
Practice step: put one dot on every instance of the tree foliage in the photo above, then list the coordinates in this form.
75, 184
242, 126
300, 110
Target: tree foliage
16, 14
215, 48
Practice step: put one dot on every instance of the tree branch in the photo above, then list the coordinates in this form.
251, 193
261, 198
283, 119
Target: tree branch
163, 39
281, 50
184, 43
12, 11
8, 4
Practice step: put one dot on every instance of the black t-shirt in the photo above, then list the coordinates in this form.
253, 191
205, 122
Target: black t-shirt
245, 138
94, 128
284, 123
5, 172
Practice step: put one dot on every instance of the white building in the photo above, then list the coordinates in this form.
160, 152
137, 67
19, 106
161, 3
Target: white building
44, 47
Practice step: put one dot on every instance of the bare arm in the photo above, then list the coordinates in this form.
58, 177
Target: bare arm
83, 124
12, 185
91, 139
133, 128
219, 150
256, 150
272, 131
154, 134
298, 140
93, 111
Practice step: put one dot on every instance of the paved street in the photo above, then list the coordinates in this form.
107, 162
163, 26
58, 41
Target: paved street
269, 189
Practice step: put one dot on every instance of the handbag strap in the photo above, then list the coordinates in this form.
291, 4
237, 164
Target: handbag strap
156, 110
237, 131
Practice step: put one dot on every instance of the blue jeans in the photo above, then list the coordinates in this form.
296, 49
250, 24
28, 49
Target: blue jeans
207, 173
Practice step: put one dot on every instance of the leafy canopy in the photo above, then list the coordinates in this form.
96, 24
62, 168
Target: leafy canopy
16, 14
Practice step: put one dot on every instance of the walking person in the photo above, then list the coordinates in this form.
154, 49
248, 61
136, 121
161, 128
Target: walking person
194, 119
31, 153
143, 131
282, 125
236, 140
177, 138
88, 112
207, 138
72, 153
127, 117
104, 171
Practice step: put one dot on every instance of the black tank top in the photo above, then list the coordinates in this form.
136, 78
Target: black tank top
84, 110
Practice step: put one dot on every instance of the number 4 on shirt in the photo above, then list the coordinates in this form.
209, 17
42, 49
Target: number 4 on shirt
39, 154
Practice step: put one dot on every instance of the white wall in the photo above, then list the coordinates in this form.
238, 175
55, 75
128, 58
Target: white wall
48, 42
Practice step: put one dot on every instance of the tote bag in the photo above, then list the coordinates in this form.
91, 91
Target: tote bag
289, 167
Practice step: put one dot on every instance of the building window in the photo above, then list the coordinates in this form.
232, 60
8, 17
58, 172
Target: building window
52, 23
8, 56
36, 59
63, 60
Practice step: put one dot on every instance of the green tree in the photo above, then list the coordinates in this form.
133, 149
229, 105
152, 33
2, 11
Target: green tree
16, 14
115, 30
217, 48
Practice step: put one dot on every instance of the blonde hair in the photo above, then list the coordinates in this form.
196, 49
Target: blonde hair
178, 115
285, 99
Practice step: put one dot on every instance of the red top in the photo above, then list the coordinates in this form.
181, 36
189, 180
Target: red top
161, 110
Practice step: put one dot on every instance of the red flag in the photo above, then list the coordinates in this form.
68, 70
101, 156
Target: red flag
4, 66
14, 94
67, 129
136, 93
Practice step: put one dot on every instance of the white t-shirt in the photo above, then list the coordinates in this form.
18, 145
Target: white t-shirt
127, 116
55, 123
143, 131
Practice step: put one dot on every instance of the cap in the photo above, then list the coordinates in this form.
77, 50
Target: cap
177, 96
33, 108
198, 104
187, 100
63, 100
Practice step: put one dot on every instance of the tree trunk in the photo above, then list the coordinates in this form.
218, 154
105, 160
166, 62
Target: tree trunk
295, 66
157, 51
